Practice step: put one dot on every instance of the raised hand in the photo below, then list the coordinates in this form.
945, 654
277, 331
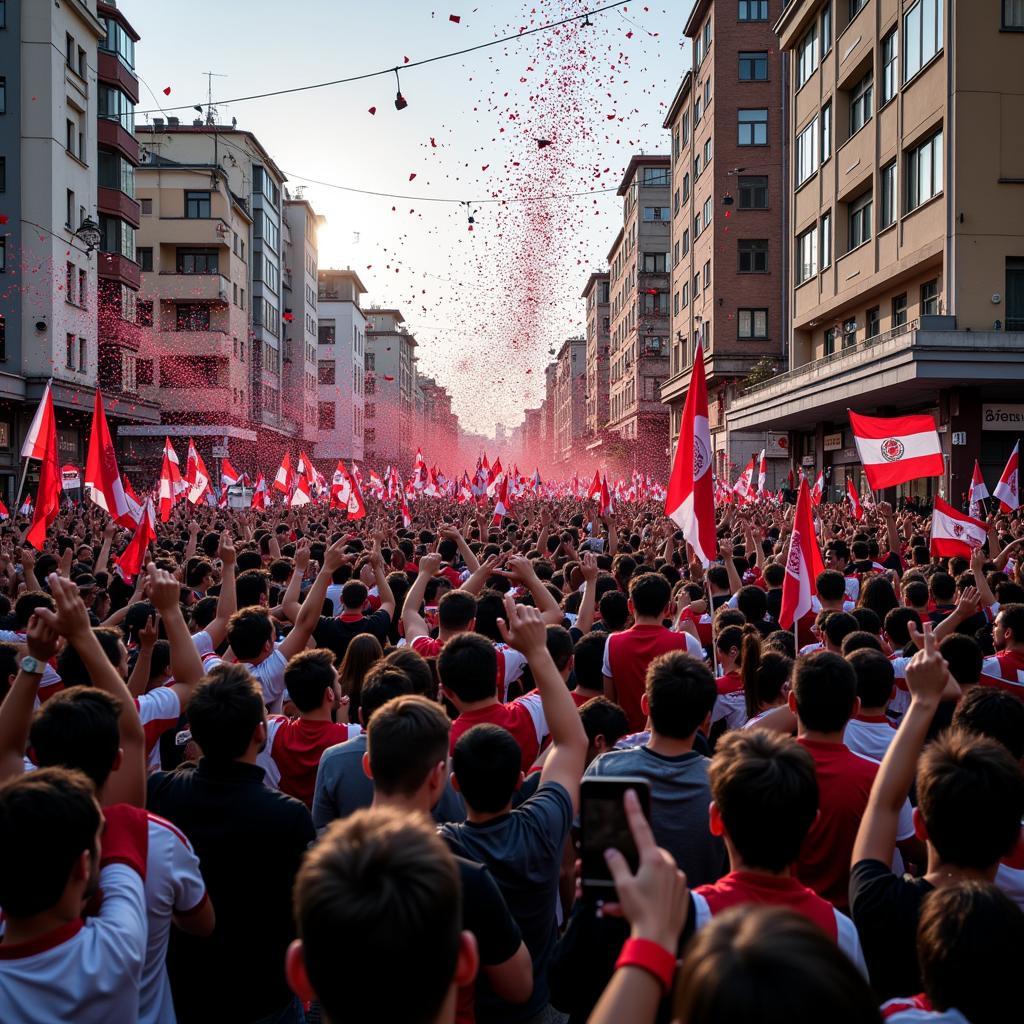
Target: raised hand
927, 673
164, 590
41, 637
523, 628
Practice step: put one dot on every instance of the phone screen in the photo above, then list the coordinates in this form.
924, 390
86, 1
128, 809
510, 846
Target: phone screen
603, 826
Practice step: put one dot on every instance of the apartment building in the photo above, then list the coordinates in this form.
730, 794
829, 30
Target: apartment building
390, 389
570, 413
639, 317
299, 322
597, 298
341, 366
728, 248
547, 409
905, 229
438, 426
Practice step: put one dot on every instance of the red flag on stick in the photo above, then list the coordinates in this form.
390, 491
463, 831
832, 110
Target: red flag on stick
43, 436
803, 563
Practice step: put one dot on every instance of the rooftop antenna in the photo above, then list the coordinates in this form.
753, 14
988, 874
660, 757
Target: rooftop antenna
211, 110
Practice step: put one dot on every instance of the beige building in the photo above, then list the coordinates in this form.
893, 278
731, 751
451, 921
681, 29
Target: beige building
570, 402
906, 230
390, 390
596, 296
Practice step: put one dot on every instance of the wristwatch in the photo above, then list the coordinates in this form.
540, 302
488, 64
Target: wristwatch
32, 666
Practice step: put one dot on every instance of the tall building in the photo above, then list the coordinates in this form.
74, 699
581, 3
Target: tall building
729, 201
341, 366
299, 322
439, 426
639, 310
596, 296
570, 401
906, 231
390, 389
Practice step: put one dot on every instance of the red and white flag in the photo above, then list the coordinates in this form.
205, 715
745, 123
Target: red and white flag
35, 441
26, 506
744, 485
260, 494
130, 562
803, 563
818, 490
44, 448
356, 505
341, 486
953, 533
300, 496
196, 475
898, 450
102, 477
854, 499
501, 505
1006, 490
4, 514
229, 476
283, 480
171, 484
607, 505
690, 501
762, 473
977, 492
134, 505
595, 486
406, 514
419, 471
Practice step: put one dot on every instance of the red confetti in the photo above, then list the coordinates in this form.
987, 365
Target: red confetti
455, 18
3, 218
167, 90
485, 166
373, 110
433, 143
543, 143
411, 176
405, 60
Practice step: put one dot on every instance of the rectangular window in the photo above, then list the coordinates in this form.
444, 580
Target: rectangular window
855, 8
117, 236
69, 354
826, 132
860, 103
325, 371
698, 106
686, 294
144, 373
830, 341
685, 127
707, 211
707, 152
655, 176
197, 205
686, 241
83, 354
675, 254
686, 187
197, 261
696, 226
922, 35
753, 10
924, 172
807, 152
145, 256
707, 88
826, 28
752, 324
1013, 15
698, 165
890, 47
873, 324
371, 361
83, 289
326, 413
656, 213
707, 274
69, 282
752, 127
860, 220
69, 210
826, 240
3, 94
887, 183
675, 203
754, 192
899, 310
753, 66
849, 333
1014, 293
3, 174
144, 313
654, 263
115, 105
192, 317
69, 50
930, 298
807, 56
753, 254
807, 254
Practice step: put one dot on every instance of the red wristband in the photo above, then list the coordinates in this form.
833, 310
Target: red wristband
650, 957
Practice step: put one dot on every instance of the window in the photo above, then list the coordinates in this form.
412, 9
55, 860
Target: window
855, 8
686, 187
807, 56
887, 183
192, 317
698, 106
922, 35
752, 127
675, 203
874, 323
654, 302
826, 132
753, 10
899, 310
3, 94
826, 28
807, 152
371, 361
707, 86
754, 66
830, 341
69, 50
325, 371
145, 256
924, 172
117, 237
707, 152
326, 413
860, 103
83, 289
115, 172
655, 263
754, 192
707, 211
69, 354
698, 165
197, 205
707, 35
69, 282
685, 127
1013, 15
696, 226
144, 311
115, 105
69, 210
118, 41
826, 240
807, 254
70, 133
686, 241
752, 323
930, 298
371, 410
860, 220
3, 255
686, 294
707, 274
1014, 293
370, 435
144, 373
890, 45
3, 168
197, 261
81, 62
753, 255
371, 386
655, 176
656, 213
83, 354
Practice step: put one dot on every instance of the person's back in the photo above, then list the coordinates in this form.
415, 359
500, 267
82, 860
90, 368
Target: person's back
250, 841
679, 695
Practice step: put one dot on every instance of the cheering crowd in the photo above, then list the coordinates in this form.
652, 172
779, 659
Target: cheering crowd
301, 767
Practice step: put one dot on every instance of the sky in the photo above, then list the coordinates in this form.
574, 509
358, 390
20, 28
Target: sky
498, 131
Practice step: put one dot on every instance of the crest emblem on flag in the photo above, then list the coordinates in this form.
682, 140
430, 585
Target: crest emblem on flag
892, 449
793, 565
958, 529
700, 458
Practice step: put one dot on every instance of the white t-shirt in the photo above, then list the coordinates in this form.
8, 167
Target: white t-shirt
270, 675
203, 642
869, 738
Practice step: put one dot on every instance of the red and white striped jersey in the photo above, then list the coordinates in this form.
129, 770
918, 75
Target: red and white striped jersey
869, 735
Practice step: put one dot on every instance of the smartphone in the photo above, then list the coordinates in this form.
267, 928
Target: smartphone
603, 826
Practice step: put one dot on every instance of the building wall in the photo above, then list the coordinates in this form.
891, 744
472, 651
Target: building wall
596, 296
570, 401
300, 333
390, 389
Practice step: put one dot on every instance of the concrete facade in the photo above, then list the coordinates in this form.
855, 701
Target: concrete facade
570, 402
597, 298
390, 389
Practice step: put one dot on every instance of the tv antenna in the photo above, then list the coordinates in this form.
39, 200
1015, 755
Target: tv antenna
211, 110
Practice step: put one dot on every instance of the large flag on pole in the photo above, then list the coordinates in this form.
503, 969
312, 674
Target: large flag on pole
44, 448
977, 492
898, 450
953, 533
129, 564
171, 484
35, 440
803, 563
690, 501
1006, 490
102, 477
854, 499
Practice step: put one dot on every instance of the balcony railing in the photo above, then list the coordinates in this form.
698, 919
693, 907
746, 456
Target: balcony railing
841, 352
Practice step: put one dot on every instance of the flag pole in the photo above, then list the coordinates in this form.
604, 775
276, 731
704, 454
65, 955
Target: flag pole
21, 485
711, 615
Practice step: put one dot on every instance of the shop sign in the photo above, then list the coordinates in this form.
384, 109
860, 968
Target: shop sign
1002, 416
834, 442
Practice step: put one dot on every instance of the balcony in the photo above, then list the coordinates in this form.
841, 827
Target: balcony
112, 265
173, 287
117, 204
208, 343
111, 135
906, 364
188, 232
111, 71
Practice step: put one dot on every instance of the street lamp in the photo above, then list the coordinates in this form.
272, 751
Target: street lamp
89, 232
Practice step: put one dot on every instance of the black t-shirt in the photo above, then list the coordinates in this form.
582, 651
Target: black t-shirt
486, 915
885, 908
336, 633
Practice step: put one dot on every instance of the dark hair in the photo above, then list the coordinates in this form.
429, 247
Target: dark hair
650, 593
602, 717
47, 818
354, 595
1012, 618
774, 574
307, 675
897, 624
877, 594
860, 640
416, 667
825, 687
837, 625
589, 660
224, 712
614, 608
560, 646
197, 572
718, 576
969, 938
970, 794
942, 587
407, 737
487, 763
681, 692
765, 673
915, 593
72, 669
361, 654
456, 610
382, 683
247, 561
77, 728
875, 676
9, 657
204, 611
468, 667
379, 888
783, 641
28, 603
831, 585
773, 966
963, 656
986, 711
490, 606
753, 602
766, 791
251, 585
249, 632
867, 621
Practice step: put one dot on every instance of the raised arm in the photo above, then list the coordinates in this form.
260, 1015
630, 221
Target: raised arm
312, 607
414, 623
387, 598
186, 665
227, 600
483, 573
588, 569
455, 534
290, 602
139, 678
978, 569
190, 547
520, 570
